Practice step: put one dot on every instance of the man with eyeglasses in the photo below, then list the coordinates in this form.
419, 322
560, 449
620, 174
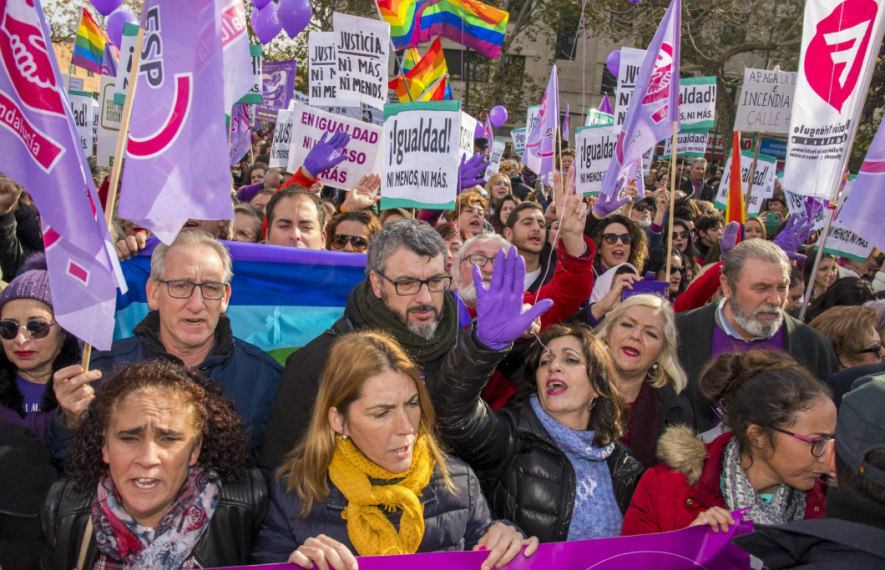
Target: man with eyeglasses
404, 295
188, 292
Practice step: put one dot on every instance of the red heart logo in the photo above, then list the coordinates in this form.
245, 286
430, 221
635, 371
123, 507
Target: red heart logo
835, 55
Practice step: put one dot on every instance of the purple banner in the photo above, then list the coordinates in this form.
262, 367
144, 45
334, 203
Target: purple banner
279, 86
697, 548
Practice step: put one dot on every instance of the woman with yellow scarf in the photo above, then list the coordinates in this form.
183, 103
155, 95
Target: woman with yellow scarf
369, 477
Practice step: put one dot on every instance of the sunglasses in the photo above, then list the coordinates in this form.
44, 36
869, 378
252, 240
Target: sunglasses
682, 234
506, 168
612, 239
645, 208
339, 241
36, 329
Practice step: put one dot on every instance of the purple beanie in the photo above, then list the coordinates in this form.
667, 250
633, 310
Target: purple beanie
32, 282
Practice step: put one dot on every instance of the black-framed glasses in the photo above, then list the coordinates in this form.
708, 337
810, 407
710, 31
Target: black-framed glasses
36, 329
413, 286
612, 239
645, 208
339, 241
683, 234
479, 260
877, 350
818, 444
183, 289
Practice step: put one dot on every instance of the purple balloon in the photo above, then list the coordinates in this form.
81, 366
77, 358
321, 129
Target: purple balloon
295, 15
105, 7
498, 116
260, 4
115, 25
266, 23
613, 62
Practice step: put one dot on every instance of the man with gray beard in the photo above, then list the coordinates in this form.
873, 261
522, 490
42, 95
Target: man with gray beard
404, 295
755, 280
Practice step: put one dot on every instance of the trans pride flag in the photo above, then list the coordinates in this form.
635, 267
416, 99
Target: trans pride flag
282, 297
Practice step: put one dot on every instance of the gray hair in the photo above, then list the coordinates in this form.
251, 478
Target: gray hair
482, 238
418, 237
158, 259
699, 160
753, 249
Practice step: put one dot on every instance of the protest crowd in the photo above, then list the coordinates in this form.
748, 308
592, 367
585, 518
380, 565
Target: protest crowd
491, 355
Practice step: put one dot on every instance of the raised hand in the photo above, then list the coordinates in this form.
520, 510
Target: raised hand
499, 316
788, 240
729, 237
324, 155
10, 192
609, 204
470, 169
364, 194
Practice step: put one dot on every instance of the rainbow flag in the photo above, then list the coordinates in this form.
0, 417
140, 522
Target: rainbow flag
282, 297
411, 57
734, 208
89, 44
468, 22
437, 91
421, 75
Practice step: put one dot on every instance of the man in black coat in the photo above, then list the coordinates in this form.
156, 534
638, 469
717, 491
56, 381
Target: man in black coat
695, 187
852, 534
755, 281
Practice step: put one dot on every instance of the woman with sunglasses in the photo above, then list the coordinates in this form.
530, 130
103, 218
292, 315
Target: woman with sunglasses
781, 421
350, 232
618, 240
34, 347
683, 231
657, 264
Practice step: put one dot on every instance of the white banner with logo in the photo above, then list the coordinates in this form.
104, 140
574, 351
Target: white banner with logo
495, 158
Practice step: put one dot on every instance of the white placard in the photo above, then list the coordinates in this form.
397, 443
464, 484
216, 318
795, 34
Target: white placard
594, 147
766, 101
95, 121
594, 118
495, 158
124, 67
282, 139
255, 96
763, 181
842, 241
109, 117
466, 133
81, 109
322, 69
532, 119
519, 137
697, 103
362, 47
688, 143
631, 61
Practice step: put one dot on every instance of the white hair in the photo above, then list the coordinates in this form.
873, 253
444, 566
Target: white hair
185, 239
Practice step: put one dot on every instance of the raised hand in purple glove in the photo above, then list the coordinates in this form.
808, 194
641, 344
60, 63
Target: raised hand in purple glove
608, 204
470, 169
499, 316
326, 154
788, 240
729, 237
812, 207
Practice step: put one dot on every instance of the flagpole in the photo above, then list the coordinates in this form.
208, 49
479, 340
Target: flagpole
672, 201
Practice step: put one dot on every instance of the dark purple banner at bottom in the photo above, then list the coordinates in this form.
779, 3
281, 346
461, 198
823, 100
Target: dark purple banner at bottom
697, 548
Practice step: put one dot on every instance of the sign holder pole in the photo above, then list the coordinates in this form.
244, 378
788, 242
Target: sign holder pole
672, 201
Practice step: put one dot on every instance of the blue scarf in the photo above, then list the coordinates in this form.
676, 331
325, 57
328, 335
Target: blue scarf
595, 513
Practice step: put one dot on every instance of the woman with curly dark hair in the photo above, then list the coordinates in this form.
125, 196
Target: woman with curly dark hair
619, 240
159, 478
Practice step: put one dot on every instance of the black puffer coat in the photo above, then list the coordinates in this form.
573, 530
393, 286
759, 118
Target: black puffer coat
526, 477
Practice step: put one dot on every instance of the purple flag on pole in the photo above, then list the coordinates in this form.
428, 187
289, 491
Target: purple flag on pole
109, 60
176, 158
606, 106
862, 211
539, 152
41, 151
655, 102
565, 127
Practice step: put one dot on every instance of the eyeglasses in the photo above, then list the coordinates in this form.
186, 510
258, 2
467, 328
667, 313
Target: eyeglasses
612, 239
683, 234
413, 286
183, 289
877, 350
645, 208
479, 260
339, 241
818, 444
506, 168
36, 329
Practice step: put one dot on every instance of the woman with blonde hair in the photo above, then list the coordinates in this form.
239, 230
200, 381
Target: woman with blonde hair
497, 187
362, 479
641, 338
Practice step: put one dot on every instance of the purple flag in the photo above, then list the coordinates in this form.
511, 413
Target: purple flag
240, 133
539, 152
862, 210
109, 60
41, 151
565, 127
655, 102
176, 157
606, 106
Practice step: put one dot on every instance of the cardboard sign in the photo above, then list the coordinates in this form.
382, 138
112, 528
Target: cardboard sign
766, 101
81, 109
466, 133
109, 117
594, 118
688, 143
842, 241
322, 69
422, 150
362, 48
594, 147
124, 67
282, 139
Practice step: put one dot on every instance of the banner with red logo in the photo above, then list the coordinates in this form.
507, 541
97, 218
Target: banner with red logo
840, 40
41, 150
177, 157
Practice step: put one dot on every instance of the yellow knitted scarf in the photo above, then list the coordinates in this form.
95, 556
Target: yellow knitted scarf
371, 533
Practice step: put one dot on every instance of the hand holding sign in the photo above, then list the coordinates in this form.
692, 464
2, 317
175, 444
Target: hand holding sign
325, 155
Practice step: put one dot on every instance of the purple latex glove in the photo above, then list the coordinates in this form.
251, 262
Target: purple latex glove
729, 237
788, 240
499, 316
324, 155
812, 207
470, 169
609, 204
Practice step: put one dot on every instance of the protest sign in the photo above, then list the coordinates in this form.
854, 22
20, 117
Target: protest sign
109, 118
466, 134
278, 79
631, 61
422, 153
697, 103
842, 241
839, 46
322, 69
75, 84
533, 117
766, 101
688, 143
518, 136
81, 109
763, 181
777, 149
94, 121
595, 117
369, 114
362, 47
127, 50
255, 95
594, 147
363, 150
796, 204
495, 158
282, 139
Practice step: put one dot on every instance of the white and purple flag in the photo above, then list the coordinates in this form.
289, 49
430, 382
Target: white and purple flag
41, 151
488, 132
109, 60
238, 77
539, 147
241, 133
862, 212
655, 102
565, 127
177, 156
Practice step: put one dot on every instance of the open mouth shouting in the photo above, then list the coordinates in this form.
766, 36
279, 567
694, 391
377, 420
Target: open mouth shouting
556, 387
631, 351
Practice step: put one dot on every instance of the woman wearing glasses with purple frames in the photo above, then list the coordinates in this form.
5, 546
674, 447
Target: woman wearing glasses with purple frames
780, 422
34, 347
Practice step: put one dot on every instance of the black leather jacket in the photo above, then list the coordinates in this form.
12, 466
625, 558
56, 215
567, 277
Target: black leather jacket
526, 477
227, 542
